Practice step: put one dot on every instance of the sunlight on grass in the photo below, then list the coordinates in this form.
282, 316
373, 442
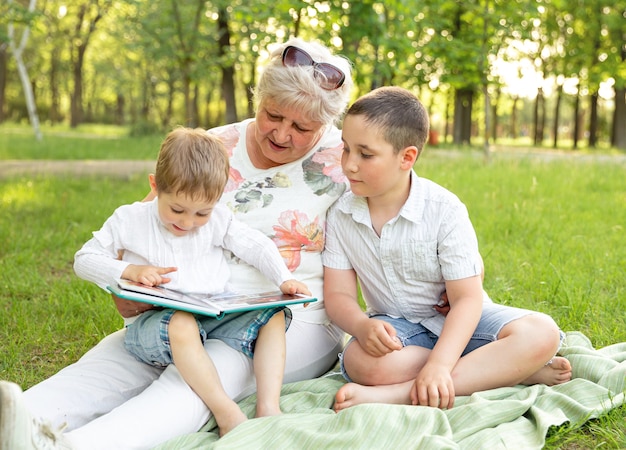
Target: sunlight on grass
17, 195
85, 142
95, 130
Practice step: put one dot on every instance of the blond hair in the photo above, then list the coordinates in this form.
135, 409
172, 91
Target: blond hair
194, 163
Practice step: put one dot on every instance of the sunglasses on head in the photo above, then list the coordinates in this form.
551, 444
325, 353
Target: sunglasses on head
328, 76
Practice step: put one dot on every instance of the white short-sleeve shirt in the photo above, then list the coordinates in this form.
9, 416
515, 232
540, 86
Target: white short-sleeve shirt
403, 271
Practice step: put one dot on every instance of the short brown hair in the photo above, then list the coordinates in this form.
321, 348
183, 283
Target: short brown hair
192, 162
398, 114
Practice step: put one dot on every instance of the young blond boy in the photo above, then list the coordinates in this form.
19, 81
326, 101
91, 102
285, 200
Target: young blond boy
408, 240
178, 238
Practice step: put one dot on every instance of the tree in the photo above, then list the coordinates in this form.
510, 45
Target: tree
3, 77
17, 51
81, 28
616, 56
228, 71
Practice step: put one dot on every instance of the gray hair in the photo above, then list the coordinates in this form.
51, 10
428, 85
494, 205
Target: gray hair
296, 87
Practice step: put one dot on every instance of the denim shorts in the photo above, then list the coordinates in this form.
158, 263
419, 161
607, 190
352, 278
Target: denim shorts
147, 338
494, 317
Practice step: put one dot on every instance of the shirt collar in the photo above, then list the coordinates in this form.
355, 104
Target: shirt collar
412, 209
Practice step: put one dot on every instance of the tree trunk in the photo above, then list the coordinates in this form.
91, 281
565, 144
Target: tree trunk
463, 115
144, 111
494, 117
194, 105
78, 59
119, 109
187, 96
208, 119
76, 102
618, 138
539, 118
514, 118
593, 120
486, 143
55, 102
446, 130
23, 72
576, 120
169, 111
228, 72
3, 79
251, 85
557, 113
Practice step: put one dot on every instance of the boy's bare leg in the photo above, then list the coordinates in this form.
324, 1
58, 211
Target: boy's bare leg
198, 370
269, 365
519, 356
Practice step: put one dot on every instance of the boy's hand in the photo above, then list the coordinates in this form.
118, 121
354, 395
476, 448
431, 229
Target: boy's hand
378, 338
433, 387
294, 287
148, 275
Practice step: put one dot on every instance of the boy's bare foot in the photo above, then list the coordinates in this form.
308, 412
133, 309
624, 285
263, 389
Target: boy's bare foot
228, 422
557, 371
351, 394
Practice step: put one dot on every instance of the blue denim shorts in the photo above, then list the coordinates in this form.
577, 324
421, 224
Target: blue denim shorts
494, 317
147, 338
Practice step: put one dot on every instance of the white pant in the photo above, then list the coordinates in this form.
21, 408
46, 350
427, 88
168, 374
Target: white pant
110, 400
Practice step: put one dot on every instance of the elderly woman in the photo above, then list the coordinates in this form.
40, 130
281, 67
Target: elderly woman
285, 174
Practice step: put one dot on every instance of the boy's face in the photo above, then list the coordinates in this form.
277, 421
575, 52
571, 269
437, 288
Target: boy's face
181, 214
369, 161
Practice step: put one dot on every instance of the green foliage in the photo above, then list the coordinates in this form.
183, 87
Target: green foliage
160, 61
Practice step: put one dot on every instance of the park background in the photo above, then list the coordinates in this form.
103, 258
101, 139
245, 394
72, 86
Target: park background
528, 106
547, 73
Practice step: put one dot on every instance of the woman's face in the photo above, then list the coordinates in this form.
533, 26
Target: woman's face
282, 135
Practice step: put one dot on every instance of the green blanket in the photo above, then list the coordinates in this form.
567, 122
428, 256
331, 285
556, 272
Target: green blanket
515, 417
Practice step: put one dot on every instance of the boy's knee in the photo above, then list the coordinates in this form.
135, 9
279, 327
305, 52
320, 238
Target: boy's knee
182, 324
364, 370
277, 319
540, 333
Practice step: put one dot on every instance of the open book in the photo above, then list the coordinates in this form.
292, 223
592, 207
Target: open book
208, 305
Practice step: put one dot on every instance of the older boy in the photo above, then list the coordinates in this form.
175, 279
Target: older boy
408, 240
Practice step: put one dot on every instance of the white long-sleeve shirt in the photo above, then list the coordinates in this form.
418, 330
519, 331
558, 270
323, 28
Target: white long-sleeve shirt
137, 230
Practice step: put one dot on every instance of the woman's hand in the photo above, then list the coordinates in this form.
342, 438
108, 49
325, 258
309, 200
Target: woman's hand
378, 338
129, 308
443, 306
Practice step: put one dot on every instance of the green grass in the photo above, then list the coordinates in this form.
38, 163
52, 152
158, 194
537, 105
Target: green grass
85, 142
552, 235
